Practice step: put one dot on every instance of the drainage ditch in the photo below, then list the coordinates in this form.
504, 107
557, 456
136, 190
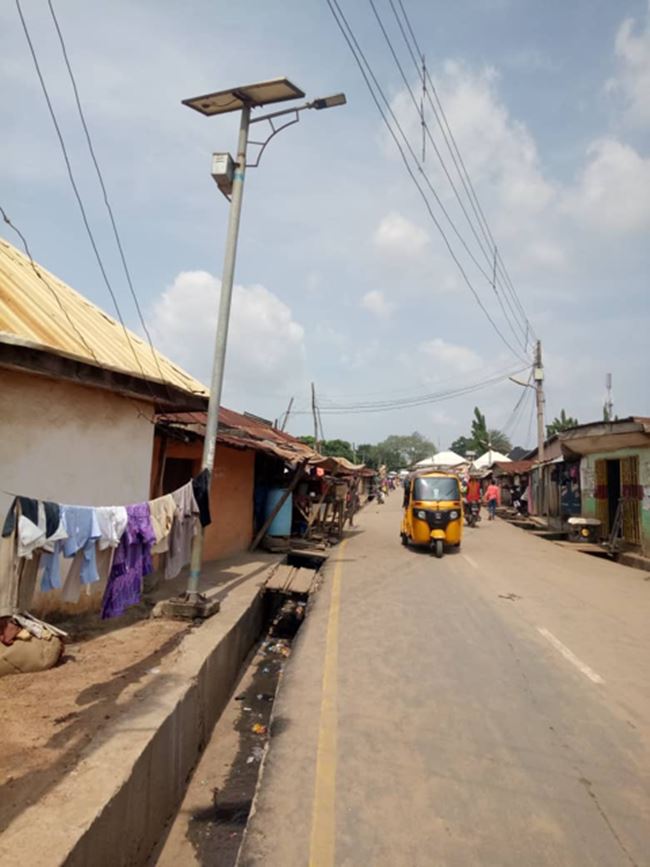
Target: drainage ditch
210, 824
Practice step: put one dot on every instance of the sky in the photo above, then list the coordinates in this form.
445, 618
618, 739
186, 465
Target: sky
343, 277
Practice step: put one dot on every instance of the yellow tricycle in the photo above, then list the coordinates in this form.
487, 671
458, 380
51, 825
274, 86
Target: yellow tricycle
433, 514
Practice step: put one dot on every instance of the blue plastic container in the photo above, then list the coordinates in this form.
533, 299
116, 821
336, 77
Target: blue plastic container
281, 524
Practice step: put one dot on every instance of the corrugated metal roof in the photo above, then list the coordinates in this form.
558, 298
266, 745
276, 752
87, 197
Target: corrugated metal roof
241, 431
514, 468
48, 314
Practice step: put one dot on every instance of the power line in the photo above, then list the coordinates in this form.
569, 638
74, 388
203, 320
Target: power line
420, 400
75, 188
427, 133
405, 392
464, 174
100, 178
357, 53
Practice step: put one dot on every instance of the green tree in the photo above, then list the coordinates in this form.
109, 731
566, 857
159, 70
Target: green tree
369, 455
337, 449
331, 448
406, 450
462, 445
564, 422
480, 437
499, 442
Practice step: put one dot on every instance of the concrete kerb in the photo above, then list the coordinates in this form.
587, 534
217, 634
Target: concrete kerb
113, 807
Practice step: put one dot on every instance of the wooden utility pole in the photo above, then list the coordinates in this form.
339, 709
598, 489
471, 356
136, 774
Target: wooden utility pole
286, 415
538, 372
315, 414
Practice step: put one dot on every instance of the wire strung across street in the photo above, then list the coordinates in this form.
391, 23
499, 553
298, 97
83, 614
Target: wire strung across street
459, 163
100, 178
492, 279
77, 195
364, 65
414, 400
517, 413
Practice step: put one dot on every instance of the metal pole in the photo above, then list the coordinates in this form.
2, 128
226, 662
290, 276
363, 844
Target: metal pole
216, 383
313, 410
539, 396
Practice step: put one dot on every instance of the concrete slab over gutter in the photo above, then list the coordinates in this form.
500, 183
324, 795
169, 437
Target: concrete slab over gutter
111, 809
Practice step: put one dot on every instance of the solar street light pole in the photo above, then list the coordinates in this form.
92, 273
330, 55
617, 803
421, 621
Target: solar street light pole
221, 337
229, 177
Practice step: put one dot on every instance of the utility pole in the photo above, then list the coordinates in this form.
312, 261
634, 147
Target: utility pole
286, 415
538, 375
315, 415
609, 405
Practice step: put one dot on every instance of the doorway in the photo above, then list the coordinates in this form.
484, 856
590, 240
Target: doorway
613, 489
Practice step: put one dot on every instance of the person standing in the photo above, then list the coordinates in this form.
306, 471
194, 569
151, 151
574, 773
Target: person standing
493, 499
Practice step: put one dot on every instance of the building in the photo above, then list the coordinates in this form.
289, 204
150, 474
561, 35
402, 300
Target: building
78, 393
251, 457
614, 461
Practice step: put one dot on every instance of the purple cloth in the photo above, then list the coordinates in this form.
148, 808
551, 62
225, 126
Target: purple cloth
131, 563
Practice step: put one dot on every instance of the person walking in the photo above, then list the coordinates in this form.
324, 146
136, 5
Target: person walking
493, 499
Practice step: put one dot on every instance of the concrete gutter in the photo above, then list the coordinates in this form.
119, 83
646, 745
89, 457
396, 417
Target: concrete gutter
113, 807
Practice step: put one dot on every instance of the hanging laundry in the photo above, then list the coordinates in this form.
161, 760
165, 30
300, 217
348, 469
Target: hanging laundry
112, 521
162, 511
131, 563
83, 533
21, 550
201, 487
183, 530
21, 506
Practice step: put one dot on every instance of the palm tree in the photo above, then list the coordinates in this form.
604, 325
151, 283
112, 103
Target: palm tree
564, 422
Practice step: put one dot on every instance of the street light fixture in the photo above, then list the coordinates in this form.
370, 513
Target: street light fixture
229, 175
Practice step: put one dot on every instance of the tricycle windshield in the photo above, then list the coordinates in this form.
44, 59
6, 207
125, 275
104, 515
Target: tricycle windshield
436, 489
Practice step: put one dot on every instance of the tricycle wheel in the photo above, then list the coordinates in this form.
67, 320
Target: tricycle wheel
438, 548
404, 538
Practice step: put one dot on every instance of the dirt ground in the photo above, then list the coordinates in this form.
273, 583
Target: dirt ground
49, 718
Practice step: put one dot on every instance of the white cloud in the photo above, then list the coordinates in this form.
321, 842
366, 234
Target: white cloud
613, 192
632, 83
451, 356
375, 302
265, 345
397, 235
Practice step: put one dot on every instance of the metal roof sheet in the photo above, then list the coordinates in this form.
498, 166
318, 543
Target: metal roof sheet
45, 313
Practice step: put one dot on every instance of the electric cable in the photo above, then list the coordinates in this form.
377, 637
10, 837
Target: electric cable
328, 400
100, 178
76, 190
62, 306
491, 280
419, 400
458, 158
357, 53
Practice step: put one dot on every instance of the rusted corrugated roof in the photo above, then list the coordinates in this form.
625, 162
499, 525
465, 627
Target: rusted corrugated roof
49, 315
240, 431
514, 468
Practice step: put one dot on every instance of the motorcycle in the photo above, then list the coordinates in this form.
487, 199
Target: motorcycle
472, 513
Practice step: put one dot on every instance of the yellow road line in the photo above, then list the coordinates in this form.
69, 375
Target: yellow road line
323, 824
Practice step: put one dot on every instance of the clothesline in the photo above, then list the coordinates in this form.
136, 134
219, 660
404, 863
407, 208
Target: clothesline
111, 542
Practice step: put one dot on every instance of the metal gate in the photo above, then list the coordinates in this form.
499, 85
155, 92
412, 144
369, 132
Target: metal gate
631, 504
600, 495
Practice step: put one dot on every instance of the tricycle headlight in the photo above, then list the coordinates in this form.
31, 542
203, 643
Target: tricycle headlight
421, 515
453, 515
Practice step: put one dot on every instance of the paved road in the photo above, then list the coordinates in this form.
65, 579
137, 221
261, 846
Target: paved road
491, 708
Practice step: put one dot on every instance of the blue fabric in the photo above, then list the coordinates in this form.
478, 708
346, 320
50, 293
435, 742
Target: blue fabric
83, 532
51, 577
